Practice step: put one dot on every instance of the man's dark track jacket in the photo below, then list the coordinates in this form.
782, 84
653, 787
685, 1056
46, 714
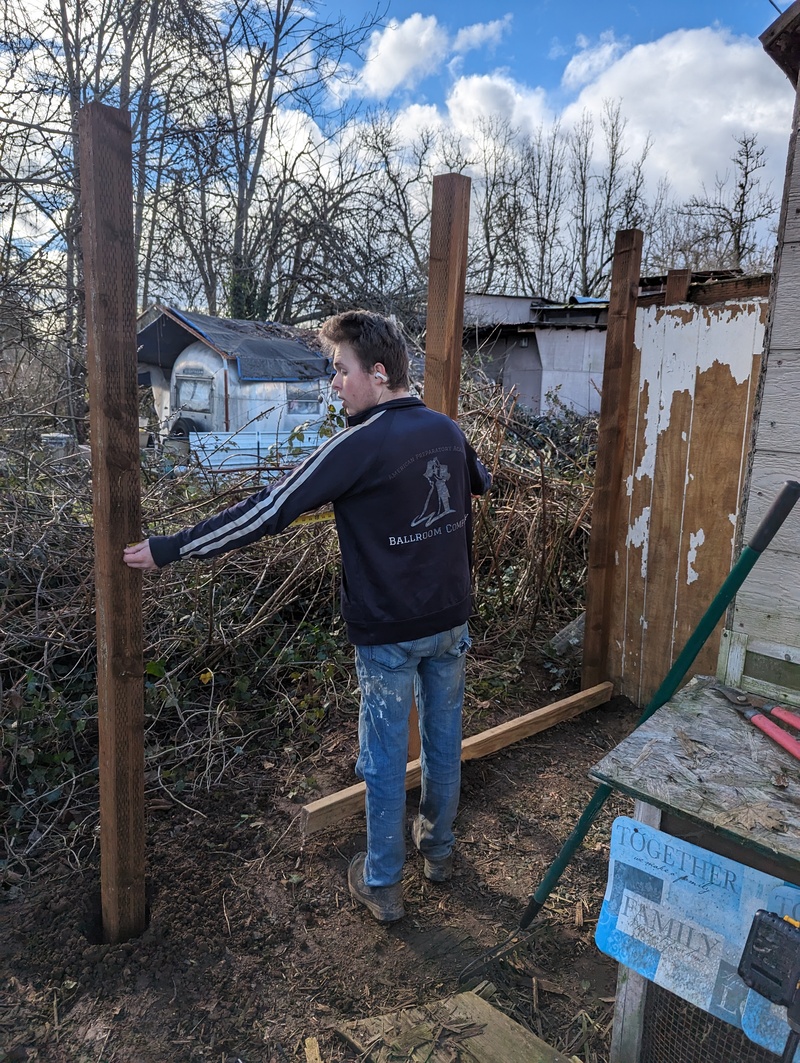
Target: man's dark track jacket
400, 478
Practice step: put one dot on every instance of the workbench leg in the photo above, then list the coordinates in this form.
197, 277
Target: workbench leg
626, 1035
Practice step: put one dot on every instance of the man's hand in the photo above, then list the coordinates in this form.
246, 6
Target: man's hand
139, 556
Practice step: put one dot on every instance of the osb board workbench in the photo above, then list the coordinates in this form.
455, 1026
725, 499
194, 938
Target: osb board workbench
699, 760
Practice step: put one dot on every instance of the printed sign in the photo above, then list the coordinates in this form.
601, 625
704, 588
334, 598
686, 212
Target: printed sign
680, 915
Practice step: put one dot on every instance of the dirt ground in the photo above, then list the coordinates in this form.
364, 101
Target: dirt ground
253, 945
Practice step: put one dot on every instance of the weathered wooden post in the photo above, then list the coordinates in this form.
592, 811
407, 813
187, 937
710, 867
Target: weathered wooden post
110, 287
612, 432
446, 278
444, 328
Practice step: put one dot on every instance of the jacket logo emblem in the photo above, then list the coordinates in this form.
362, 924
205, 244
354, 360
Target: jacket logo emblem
437, 501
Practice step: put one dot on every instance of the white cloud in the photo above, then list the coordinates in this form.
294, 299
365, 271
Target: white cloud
488, 95
557, 49
402, 54
481, 34
592, 59
411, 120
691, 92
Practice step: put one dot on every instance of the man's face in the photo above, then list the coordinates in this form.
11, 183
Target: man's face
357, 389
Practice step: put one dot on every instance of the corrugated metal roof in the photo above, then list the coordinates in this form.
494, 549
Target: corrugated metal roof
263, 350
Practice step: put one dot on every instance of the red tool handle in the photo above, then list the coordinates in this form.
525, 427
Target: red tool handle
763, 723
786, 715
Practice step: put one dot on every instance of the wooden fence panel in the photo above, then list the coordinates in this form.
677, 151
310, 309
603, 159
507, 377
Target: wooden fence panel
698, 370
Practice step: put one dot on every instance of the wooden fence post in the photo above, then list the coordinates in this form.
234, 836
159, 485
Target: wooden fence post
614, 403
110, 287
444, 327
447, 274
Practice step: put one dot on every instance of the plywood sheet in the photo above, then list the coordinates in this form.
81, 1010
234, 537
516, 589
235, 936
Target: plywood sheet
667, 518
721, 430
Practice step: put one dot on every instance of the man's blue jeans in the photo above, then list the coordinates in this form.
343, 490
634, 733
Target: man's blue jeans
432, 669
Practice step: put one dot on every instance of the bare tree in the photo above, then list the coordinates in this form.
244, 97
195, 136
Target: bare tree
604, 199
256, 194
56, 59
272, 55
499, 206
723, 226
544, 177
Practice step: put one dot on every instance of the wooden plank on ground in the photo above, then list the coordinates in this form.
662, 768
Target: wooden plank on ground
612, 432
336, 807
463, 1026
110, 283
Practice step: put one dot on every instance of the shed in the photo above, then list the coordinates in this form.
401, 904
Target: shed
551, 353
547, 353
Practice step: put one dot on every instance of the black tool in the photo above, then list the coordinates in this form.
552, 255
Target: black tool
770, 965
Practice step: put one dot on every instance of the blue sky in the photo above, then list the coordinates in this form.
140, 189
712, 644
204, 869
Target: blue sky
689, 75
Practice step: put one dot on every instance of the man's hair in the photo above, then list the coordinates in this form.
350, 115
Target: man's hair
374, 338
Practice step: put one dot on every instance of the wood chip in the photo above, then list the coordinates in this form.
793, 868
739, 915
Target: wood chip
646, 752
691, 747
551, 987
312, 1050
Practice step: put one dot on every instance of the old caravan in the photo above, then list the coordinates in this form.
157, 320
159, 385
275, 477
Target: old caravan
235, 391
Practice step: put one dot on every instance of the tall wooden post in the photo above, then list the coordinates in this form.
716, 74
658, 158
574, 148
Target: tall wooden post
110, 287
444, 330
446, 278
612, 431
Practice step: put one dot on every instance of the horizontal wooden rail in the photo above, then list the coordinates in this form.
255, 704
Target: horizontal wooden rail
336, 807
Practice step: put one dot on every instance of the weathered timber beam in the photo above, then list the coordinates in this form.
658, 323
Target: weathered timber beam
611, 435
781, 41
109, 273
336, 807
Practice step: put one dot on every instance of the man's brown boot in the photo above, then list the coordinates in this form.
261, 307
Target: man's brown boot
440, 870
384, 902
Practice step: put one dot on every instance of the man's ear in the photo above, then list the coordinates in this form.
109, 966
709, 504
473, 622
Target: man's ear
379, 372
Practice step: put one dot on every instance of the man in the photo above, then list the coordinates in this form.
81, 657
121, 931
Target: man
406, 585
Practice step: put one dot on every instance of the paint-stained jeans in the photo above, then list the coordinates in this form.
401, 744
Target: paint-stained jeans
433, 670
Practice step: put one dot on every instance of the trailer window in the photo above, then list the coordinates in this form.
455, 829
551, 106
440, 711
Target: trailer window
193, 394
303, 398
